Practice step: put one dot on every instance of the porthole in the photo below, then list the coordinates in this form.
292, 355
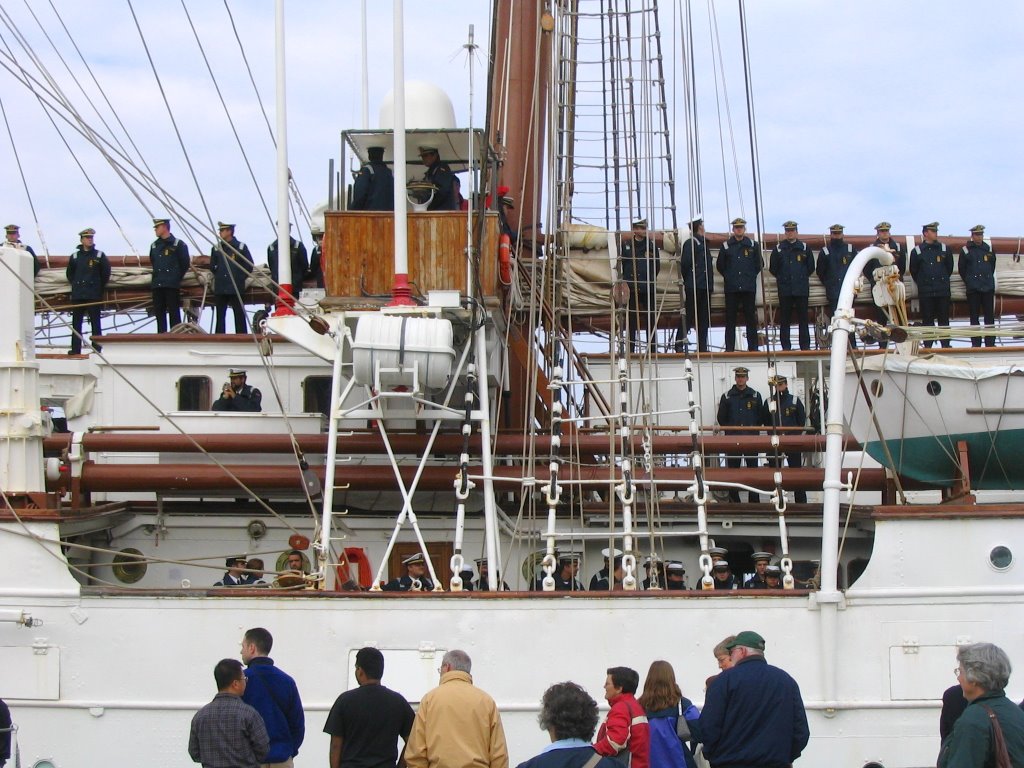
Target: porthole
129, 565
1000, 557
934, 388
877, 388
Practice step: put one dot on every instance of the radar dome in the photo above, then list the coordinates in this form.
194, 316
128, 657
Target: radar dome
426, 107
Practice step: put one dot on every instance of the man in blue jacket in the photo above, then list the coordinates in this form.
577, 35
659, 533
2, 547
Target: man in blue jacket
753, 713
931, 264
791, 263
274, 695
977, 267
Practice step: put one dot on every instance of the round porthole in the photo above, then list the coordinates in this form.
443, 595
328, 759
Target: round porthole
1001, 557
934, 388
129, 565
877, 388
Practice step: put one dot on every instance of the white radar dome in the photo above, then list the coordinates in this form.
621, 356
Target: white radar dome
426, 107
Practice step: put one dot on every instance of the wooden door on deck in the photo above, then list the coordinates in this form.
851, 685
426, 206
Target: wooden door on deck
440, 553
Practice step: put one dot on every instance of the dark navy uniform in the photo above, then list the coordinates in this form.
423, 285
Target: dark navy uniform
374, 188
478, 585
441, 176
170, 260
792, 263
977, 267
931, 264
599, 580
231, 264
316, 265
639, 265
699, 284
755, 582
88, 272
299, 261
833, 264
741, 408
789, 412
407, 584
246, 398
899, 258
740, 263
726, 583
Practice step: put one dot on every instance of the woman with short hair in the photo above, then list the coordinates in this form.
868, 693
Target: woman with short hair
569, 715
991, 723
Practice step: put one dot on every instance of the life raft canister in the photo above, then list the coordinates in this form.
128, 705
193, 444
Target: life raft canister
505, 259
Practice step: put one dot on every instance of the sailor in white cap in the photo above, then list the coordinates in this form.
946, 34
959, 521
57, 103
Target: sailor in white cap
415, 579
675, 575
236, 395
612, 562
565, 575
722, 574
656, 564
761, 561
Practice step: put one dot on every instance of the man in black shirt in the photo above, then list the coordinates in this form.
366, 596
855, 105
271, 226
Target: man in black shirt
365, 723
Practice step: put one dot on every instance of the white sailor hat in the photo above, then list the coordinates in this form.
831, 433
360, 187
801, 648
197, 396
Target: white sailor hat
648, 560
757, 556
718, 552
480, 561
675, 566
606, 553
773, 570
721, 565
237, 372
640, 223
569, 557
414, 558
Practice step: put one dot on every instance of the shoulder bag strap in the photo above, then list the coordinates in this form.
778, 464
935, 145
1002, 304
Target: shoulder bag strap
999, 752
593, 761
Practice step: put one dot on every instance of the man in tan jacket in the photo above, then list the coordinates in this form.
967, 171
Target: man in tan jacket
457, 724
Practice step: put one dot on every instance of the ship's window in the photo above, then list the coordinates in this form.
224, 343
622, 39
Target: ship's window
877, 388
1001, 557
316, 394
194, 393
129, 565
934, 388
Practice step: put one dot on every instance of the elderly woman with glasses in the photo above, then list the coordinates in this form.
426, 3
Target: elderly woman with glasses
991, 721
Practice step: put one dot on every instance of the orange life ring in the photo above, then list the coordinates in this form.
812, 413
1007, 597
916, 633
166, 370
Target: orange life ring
505, 259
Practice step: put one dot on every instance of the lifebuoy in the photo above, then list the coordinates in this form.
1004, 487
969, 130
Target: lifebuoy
505, 259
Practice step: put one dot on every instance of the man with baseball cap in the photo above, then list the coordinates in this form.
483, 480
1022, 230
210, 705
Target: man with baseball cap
753, 713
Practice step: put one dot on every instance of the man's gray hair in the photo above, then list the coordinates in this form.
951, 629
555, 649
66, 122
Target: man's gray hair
458, 660
985, 665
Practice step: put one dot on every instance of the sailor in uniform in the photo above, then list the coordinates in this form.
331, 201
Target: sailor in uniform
415, 579
931, 264
977, 267
235, 575
833, 263
231, 264
654, 564
722, 575
773, 577
600, 579
13, 240
316, 256
740, 263
479, 584
638, 267
565, 575
441, 176
741, 407
789, 412
374, 187
883, 240
237, 395
88, 272
792, 263
761, 560
168, 257
718, 553
675, 575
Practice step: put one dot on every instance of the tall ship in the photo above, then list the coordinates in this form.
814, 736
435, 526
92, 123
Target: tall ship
493, 370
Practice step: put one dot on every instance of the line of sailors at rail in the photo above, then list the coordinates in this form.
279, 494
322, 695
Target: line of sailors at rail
661, 575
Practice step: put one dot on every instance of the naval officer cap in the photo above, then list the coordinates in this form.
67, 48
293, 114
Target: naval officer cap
747, 639
88, 232
158, 222
738, 222
883, 226
836, 228
640, 223
237, 372
933, 226
696, 221
978, 229
481, 561
428, 151
741, 371
758, 556
414, 559
789, 225
12, 228
222, 226
777, 380
235, 560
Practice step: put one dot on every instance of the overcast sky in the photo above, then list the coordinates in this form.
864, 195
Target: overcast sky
866, 110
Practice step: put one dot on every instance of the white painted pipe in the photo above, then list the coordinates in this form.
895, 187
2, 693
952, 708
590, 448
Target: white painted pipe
284, 262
